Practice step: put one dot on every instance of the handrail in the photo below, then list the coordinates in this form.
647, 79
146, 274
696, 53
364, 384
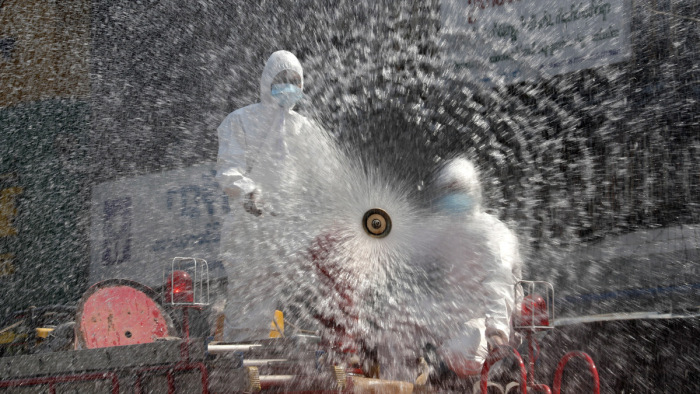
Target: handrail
564, 361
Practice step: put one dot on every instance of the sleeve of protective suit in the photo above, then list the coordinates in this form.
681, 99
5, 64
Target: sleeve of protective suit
499, 298
231, 161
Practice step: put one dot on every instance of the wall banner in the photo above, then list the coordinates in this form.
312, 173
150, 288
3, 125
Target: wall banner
507, 41
140, 224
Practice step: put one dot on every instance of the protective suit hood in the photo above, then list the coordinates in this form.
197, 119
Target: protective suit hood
461, 176
278, 62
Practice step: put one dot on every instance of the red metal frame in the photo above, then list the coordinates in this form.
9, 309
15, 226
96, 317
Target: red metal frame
530, 330
171, 380
562, 364
531, 359
52, 380
527, 376
183, 364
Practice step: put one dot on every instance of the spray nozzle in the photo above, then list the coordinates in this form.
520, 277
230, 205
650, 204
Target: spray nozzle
377, 223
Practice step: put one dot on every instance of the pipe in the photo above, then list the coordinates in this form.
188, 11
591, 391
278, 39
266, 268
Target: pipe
262, 362
565, 360
270, 381
221, 349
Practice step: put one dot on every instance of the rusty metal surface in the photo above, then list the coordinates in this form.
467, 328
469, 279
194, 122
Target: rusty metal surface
119, 313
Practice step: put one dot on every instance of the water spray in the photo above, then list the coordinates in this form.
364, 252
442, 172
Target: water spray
377, 223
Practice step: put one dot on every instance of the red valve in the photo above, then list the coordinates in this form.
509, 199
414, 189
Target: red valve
179, 288
534, 311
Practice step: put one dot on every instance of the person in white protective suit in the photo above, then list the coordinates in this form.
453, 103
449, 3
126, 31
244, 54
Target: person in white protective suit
253, 167
479, 266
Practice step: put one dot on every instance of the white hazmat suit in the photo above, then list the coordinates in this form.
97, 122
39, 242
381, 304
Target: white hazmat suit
252, 140
477, 266
255, 168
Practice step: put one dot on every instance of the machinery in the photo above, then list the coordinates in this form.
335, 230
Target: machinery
126, 341
536, 314
125, 337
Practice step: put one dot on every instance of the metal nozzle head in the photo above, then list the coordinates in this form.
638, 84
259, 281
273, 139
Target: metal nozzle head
377, 223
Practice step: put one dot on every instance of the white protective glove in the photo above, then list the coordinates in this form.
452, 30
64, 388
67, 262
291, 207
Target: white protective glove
465, 353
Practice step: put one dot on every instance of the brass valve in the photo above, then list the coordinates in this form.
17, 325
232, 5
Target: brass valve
253, 379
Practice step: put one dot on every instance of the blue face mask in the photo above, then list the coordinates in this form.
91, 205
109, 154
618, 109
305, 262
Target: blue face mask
286, 94
455, 203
